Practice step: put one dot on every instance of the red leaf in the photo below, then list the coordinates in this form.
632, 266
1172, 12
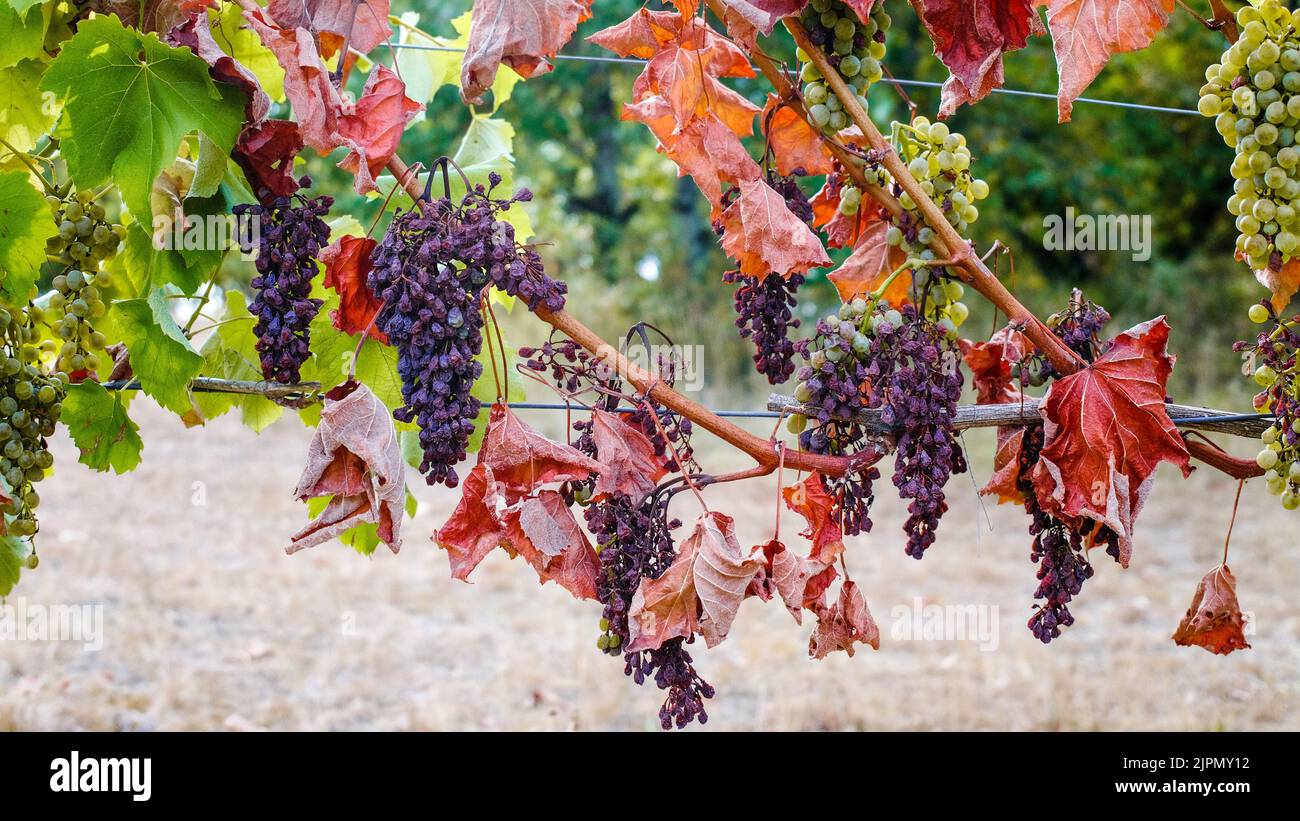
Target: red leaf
1087, 33
844, 624
990, 365
763, 236
1004, 483
707, 150
970, 37
709, 578
265, 152
1214, 620
811, 501
871, 263
643, 35
316, 102
790, 576
373, 128
543, 530
355, 456
522, 459
1283, 283
1106, 431
195, 33
347, 263
862, 7
523, 34
746, 19
367, 20
793, 142
474, 529
627, 457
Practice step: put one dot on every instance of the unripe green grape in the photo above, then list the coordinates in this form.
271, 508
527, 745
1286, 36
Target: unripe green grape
1266, 458
850, 66
820, 114
876, 51
845, 29
814, 93
809, 73
893, 235
1265, 376
839, 121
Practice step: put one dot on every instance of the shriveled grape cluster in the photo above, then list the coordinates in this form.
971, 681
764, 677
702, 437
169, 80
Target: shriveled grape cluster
854, 48
1253, 93
1278, 375
30, 403
291, 235
84, 236
1079, 326
430, 270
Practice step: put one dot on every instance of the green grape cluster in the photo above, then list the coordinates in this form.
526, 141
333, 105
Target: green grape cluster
853, 47
940, 161
84, 236
30, 403
1276, 354
1253, 94
77, 300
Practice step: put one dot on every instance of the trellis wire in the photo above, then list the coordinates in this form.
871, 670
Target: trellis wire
1014, 92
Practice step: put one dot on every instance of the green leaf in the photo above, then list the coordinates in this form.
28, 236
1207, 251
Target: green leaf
13, 558
25, 224
426, 71
100, 427
21, 6
231, 353
243, 44
333, 350
128, 115
149, 268
25, 114
209, 169
161, 356
23, 36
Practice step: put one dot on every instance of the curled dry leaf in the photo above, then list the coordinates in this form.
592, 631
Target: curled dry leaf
763, 236
194, 31
1214, 620
970, 37
475, 528
811, 501
363, 22
543, 530
1282, 283
523, 34
373, 127
844, 624
700, 591
1106, 430
522, 459
627, 457
265, 152
872, 262
746, 19
1004, 483
797, 580
316, 103
990, 365
354, 456
793, 142
347, 264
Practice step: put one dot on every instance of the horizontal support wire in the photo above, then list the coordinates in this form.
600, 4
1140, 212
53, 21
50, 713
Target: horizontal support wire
968, 416
1013, 92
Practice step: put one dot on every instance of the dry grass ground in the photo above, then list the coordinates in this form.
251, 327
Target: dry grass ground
208, 625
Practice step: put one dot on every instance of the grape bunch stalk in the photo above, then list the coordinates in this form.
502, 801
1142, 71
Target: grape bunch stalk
1253, 94
1277, 372
429, 271
854, 48
290, 234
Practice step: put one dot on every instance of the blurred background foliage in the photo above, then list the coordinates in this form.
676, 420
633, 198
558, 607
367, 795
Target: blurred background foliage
634, 241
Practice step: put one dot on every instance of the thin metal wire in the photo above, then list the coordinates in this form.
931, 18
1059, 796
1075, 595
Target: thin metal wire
1014, 92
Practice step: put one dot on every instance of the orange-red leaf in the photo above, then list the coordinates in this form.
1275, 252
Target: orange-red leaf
970, 37
1087, 33
523, 34
363, 22
355, 457
707, 150
844, 624
763, 236
871, 263
643, 35
373, 128
543, 530
794, 144
627, 457
347, 263
1283, 283
990, 364
1004, 483
811, 501
1214, 620
522, 459
474, 529
1106, 430
790, 576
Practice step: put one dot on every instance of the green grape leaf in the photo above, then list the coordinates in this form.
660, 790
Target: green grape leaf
333, 350
243, 44
101, 429
25, 113
427, 70
13, 558
129, 101
25, 223
149, 268
231, 353
23, 35
161, 356
209, 169
21, 6
485, 387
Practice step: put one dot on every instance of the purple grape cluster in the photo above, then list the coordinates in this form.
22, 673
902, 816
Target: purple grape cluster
1079, 327
635, 543
290, 234
763, 315
430, 271
1058, 549
919, 398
